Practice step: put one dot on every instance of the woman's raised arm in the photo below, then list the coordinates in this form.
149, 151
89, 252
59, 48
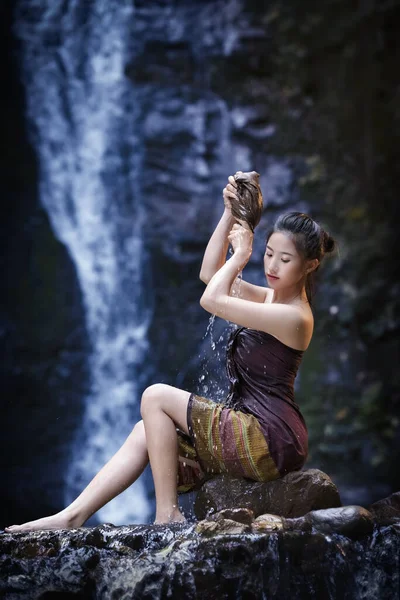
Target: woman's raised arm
217, 247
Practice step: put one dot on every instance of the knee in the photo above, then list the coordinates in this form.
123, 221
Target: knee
151, 397
138, 431
139, 428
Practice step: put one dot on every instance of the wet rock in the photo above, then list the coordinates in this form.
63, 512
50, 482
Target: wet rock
136, 537
221, 526
299, 524
215, 559
387, 510
268, 523
240, 515
351, 521
293, 495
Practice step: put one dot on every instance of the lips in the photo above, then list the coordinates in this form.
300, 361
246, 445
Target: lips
272, 276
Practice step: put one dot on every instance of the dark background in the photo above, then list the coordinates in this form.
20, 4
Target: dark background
319, 85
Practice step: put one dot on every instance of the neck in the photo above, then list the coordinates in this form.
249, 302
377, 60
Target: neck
288, 295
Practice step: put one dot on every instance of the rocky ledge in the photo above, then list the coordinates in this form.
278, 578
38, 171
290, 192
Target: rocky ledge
343, 552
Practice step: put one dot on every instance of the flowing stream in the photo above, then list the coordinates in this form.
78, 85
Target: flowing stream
82, 116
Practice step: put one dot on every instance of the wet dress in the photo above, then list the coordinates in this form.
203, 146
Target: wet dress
258, 432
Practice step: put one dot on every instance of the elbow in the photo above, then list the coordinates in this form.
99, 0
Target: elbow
204, 277
210, 303
203, 301
206, 302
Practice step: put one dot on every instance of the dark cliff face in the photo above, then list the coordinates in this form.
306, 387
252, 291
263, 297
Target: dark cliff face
303, 95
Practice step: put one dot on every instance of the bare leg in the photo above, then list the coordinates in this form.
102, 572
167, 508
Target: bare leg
119, 473
164, 408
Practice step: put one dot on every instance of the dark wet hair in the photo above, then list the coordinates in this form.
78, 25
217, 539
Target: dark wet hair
248, 204
310, 239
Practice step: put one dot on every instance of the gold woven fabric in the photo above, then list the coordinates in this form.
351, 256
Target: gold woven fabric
222, 440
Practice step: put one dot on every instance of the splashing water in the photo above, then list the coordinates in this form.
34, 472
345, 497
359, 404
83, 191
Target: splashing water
212, 379
209, 330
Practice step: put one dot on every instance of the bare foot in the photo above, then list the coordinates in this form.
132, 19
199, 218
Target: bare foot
61, 520
174, 516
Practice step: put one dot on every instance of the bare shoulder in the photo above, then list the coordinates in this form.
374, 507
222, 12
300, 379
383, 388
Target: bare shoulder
292, 324
305, 327
297, 323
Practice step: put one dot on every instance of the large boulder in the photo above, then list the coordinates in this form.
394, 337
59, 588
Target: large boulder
293, 495
351, 521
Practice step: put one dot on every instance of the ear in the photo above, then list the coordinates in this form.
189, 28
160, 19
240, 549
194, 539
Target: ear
311, 265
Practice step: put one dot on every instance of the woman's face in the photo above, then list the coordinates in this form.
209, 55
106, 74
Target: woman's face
283, 265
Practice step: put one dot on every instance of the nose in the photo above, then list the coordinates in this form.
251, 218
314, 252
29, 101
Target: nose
273, 270
273, 266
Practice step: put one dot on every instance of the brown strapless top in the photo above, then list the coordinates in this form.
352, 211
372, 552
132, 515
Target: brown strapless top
262, 371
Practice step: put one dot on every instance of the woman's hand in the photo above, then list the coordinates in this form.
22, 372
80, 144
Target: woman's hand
241, 240
229, 192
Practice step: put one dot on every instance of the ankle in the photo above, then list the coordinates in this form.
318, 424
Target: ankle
170, 515
74, 517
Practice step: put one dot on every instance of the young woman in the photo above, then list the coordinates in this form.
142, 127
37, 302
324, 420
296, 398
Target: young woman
259, 433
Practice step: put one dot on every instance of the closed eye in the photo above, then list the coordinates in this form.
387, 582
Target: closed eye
282, 259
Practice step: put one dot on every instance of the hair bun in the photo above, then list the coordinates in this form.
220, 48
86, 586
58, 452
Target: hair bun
328, 243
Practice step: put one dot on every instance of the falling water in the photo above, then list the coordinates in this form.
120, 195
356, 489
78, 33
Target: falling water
206, 385
209, 330
82, 114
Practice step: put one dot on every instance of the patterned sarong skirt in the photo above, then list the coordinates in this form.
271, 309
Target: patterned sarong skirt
222, 440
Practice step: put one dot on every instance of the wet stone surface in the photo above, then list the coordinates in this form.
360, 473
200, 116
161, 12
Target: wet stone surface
387, 510
293, 495
218, 557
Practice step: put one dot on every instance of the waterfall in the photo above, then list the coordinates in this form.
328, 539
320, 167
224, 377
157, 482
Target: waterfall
83, 118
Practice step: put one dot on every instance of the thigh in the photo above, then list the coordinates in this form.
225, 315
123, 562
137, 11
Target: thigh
173, 401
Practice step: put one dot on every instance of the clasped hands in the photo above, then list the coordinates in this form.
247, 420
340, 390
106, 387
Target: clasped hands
240, 236
241, 239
